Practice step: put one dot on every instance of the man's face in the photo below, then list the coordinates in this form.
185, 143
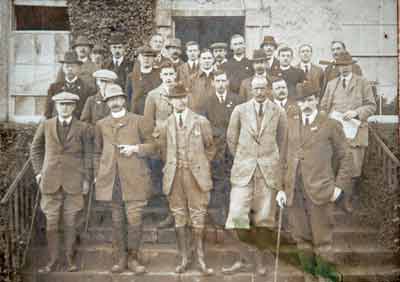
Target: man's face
285, 58
179, 104
206, 60
279, 90
65, 109
345, 70
116, 103
308, 105
71, 70
259, 91
168, 76
238, 45
305, 54
269, 50
260, 66
193, 52
146, 60
221, 83
97, 58
82, 51
101, 84
117, 50
157, 42
337, 49
174, 52
219, 54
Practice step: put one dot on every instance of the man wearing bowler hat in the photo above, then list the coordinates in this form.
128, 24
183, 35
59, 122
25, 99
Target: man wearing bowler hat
219, 50
122, 175
269, 46
71, 83
61, 160
174, 50
351, 95
186, 147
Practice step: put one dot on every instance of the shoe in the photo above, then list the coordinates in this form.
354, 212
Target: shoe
198, 236
237, 267
134, 241
181, 241
167, 222
53, 246
70, 239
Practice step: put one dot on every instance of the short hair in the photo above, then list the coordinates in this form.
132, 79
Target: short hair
285, 49
167, 65
340, 42
192, 43
305, 45
236, 36
206, 50
220, 72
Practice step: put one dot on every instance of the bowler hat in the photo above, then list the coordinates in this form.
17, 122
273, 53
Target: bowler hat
219, 45
70, 57
179, 91
173, 42
105, 75
82, 41
113, 90
146, 50
259, 55
305, 89
270, 40
344, 59
117, 38
65, 97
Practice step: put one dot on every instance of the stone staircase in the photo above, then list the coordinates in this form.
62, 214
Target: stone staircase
356, 250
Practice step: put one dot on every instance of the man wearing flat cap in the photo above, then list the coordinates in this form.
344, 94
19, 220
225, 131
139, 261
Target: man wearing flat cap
141, 81
318, 171
61, 161
174, 50
71, 83
119, 62
192, 65
219, 50
186, 147
351, 95
269, 46
259, 62
82, 48
122, 175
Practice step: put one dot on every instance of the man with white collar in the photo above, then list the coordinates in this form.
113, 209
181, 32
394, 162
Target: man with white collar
186, 147
238, 67
351, 95
192, 65
61, 160
313, 73
173, 47
71, 83
269, 46
156, 42
280, 93
318, 171
122, 175
259, 62
219, 50
291, 75
256, 137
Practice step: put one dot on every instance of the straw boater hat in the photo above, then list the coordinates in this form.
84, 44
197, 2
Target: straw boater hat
70, 57
113, 90
82, 41
65, 97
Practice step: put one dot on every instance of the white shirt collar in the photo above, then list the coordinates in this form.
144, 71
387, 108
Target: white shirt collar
257, 104
285, 68
310, 117
68, 120
236, 58
145, 70
119, 114
183, 114
207, 72
270, 61
264, 75
72, 80
303, 66
192, 63
222, 62
281, 103
118, 62
347, 78
223, 95
84, 60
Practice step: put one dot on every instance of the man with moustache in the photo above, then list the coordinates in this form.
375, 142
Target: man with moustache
238, 67
192, 65
313, 73
259, 62
219, 50
71, 83
173, 47
122, 175
280, 93
269, 46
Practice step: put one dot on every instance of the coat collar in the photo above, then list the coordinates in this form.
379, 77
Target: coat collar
190, 121
71, 132
269, 112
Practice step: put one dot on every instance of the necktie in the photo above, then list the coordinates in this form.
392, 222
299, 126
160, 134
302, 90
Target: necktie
64, 124
306, 121
221, 99
180, 121
306, 69
344, 83
260, 110
282, 104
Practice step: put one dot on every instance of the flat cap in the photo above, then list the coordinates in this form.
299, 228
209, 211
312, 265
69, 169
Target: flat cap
82, 40
113, 90
305, 89
173, 42
219, 45
105, 75
65, 97
146, 50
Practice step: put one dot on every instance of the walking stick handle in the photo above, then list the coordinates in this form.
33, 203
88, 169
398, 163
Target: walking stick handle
278, 242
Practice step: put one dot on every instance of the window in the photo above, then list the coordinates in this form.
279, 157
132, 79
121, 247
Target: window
41, 18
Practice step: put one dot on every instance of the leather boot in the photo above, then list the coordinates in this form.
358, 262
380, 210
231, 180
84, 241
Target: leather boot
53, 246
167, 222
198, 236
70, 237
242, 263
119, 244
134, 240
181, 241
261, 262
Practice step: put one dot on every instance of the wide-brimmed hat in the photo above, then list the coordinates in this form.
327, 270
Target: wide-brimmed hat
179, 91
70, 57
344, 59
173, 42
259, 55
270, 40
65, 97
117, 38
113, 90
82, 40
105, 75
305, 89
219, 45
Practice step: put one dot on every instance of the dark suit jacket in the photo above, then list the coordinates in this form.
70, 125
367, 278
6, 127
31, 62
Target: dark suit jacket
184, 73
200, 89
95, 109
315, 75
65, 163
85, 73
292, 76
122, 70
274, 69
237, 72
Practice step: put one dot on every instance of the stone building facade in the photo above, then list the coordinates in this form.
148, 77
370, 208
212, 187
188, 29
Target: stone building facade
28, 59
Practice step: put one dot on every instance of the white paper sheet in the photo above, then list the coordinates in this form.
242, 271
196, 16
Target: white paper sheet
350, 127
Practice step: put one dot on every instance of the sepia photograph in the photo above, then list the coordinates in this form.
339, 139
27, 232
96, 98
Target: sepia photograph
199, 141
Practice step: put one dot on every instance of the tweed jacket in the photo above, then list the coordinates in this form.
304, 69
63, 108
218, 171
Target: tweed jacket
200, 146
133, 171
252, 147
360, 98
321, 156
64, 164
332, 72
95, 109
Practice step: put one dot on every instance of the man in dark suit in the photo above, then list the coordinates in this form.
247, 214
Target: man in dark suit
238, 67
61, 161
192, 65
174, 49
269, 45
118, 62
318, 170
291, 75
156, 42
219, 50
71, 83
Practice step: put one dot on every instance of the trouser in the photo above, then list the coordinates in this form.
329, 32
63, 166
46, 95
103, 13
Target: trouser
219, 197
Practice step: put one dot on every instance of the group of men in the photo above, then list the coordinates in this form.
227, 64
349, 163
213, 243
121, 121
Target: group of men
244, 136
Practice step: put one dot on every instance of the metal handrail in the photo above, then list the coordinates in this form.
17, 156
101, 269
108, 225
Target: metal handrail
11, 189
384, 147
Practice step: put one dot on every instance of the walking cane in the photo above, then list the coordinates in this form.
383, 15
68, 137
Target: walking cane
89, 207
278, 242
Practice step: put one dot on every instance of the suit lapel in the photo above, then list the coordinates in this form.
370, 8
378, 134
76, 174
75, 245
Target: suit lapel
251, 112
53, 128
72, 130
172, 127
269, 112
314, 128
189, 123
351, 85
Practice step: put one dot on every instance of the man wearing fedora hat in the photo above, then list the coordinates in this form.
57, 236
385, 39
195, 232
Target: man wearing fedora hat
71, 83
82, 48
259, 61
269, 46
61, 160
174, 51
122, 175
192, 65
186, 147
351, 95
318, 171
118, 62
219, 50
